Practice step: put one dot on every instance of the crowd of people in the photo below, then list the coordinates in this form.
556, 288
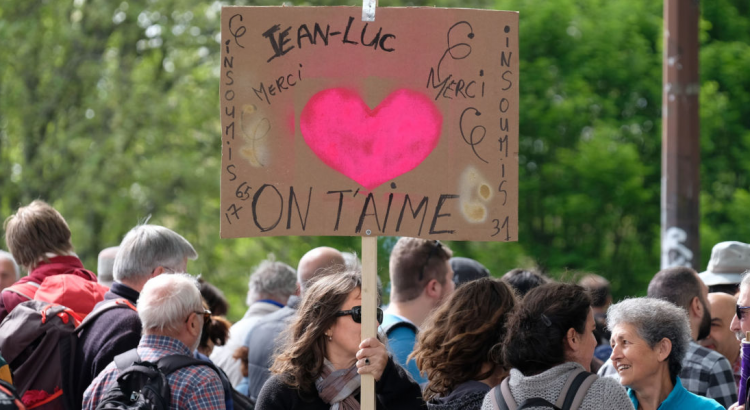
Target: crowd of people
452, 336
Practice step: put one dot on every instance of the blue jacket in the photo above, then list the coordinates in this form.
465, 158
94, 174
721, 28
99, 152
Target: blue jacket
680, 398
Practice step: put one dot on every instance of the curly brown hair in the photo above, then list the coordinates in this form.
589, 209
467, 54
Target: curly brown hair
300, 360
463, 334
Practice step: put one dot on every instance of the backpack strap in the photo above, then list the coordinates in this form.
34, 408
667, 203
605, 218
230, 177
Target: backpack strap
172, 363
26, 289
402, 323
566, 387
578, 390
125, 360
501, 397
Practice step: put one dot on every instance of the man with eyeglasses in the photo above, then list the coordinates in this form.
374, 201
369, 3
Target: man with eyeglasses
171, 312
421, 280
146, 252
741, 321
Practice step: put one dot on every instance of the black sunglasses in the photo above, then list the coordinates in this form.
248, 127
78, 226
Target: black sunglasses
356, 312
741, 311
436, 246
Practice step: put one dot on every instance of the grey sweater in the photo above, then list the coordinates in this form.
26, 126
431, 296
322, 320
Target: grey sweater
603, 394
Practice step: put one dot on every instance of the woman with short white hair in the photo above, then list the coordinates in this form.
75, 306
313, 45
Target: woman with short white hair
649, 340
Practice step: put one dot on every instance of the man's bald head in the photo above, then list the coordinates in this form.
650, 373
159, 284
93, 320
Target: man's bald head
722, 338
316, 261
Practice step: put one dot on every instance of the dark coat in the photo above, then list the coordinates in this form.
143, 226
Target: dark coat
114, 332
394, 391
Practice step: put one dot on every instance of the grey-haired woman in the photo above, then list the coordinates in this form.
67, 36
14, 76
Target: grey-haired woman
649, 340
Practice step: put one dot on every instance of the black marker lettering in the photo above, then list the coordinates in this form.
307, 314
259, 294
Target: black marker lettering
507, 105
510, 83
293, 197
341, 203
375, 39
370, 198
256, 197
382, 43
261, 90
505, 62
278, 43
346, 33
441, 201
226, 130
307, 34
414, 213
504, 127
387, 211
319, 32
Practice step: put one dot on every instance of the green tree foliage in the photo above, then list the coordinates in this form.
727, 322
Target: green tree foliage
109, 111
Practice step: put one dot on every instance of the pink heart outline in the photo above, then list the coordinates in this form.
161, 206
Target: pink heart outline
371, 146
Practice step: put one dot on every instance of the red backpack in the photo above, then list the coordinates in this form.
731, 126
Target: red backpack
38, 341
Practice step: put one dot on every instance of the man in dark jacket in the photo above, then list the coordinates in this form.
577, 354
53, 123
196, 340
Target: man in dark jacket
146, 252
262, 339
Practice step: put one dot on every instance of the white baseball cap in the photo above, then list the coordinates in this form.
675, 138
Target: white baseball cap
729, 260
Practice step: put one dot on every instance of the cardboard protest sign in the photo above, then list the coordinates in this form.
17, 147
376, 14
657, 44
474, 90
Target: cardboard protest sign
404, 126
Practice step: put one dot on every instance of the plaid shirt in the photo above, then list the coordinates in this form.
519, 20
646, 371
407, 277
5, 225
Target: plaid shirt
704, 372
193, 387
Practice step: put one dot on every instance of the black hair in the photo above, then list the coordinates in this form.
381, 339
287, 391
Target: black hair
535, 341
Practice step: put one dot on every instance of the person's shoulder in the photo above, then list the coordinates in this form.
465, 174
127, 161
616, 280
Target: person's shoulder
704, 356
696, 402
110, 327
606, 390
276, 382
200, 373
276, 394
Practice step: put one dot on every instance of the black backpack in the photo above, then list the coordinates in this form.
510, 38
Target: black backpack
570, 398
143, 385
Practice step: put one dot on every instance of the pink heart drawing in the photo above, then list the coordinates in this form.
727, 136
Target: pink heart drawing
371, 146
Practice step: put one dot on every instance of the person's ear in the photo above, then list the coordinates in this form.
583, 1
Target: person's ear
573, 339
433, 288
696, 307
193, 324
664, 348
158, 271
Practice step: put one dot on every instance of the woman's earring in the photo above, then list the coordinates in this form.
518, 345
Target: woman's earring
330, 338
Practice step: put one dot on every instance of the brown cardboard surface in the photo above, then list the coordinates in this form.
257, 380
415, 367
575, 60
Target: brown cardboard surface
405, 126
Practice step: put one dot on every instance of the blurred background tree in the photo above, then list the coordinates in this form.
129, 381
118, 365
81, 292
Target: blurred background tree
110, 112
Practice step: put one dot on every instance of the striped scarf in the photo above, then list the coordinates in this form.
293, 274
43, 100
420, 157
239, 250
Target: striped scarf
338, 387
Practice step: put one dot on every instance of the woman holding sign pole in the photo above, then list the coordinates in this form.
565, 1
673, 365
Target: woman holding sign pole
320, 366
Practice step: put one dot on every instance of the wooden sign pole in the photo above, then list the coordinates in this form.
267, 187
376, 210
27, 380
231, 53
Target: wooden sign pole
369, 304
